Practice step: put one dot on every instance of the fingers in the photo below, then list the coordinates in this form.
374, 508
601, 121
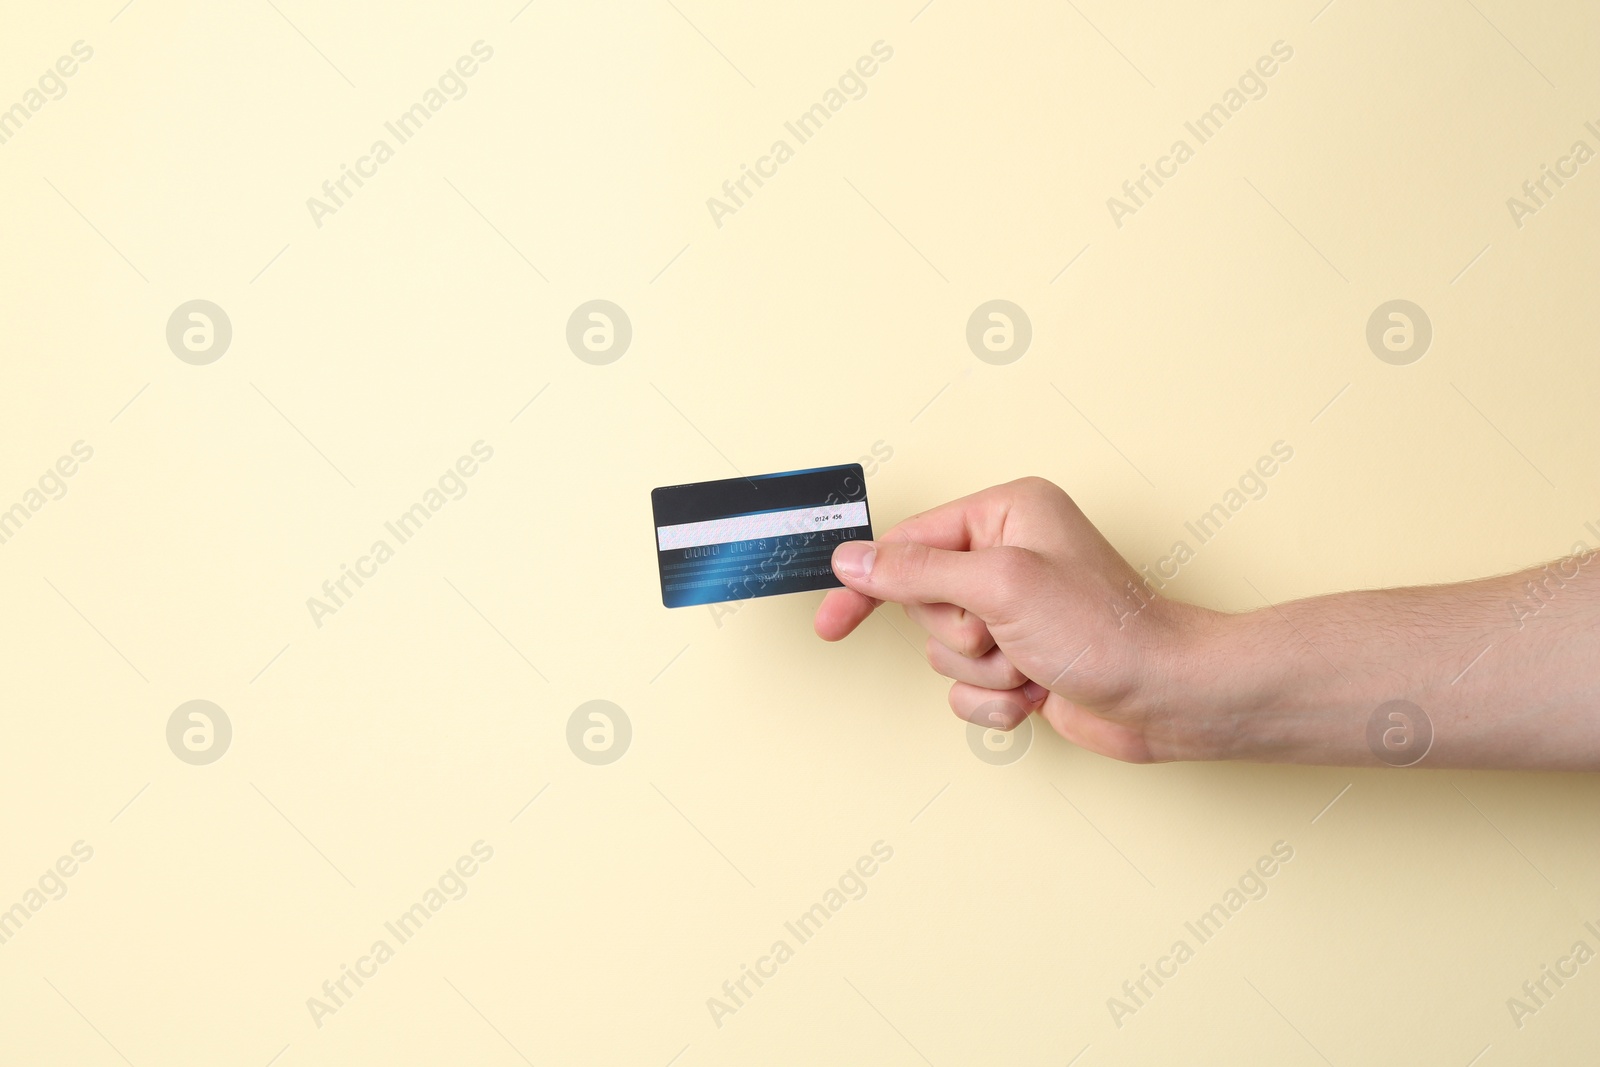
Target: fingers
990, 671
978, 520
949, 526
840, 612
912, 573
903, 575
995, 709
971, 522
958, 629
1005, 710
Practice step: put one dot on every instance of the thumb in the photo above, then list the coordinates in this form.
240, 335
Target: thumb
910, 573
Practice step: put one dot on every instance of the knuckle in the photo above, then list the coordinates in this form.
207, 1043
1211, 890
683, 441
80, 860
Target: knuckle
1039, 488
971, 638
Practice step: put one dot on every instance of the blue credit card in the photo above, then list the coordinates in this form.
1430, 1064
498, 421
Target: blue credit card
746, 537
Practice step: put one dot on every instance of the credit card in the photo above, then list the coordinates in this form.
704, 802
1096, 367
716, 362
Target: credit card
747, 537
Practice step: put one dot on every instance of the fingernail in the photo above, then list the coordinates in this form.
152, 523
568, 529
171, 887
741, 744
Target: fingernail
853, 559
1034, 692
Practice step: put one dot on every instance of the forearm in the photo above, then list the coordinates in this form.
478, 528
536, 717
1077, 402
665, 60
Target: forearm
1505, 671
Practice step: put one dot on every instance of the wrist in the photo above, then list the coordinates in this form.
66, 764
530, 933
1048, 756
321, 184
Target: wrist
1186, 705
1228, 692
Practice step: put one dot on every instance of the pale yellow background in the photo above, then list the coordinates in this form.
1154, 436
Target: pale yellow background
822, 318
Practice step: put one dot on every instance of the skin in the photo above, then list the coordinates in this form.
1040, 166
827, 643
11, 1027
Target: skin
1029, 609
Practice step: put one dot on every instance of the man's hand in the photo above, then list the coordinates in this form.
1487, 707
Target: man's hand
1030, 609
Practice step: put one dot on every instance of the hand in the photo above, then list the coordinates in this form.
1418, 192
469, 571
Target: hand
1030, 609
